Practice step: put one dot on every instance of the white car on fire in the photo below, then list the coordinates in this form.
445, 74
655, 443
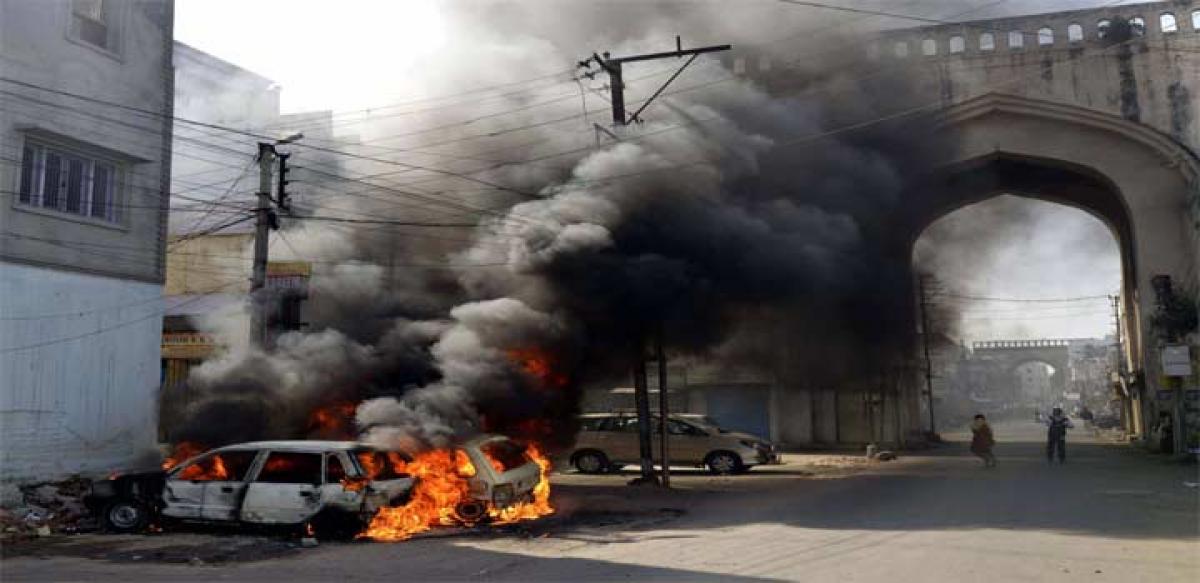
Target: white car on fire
335, 486
503, 474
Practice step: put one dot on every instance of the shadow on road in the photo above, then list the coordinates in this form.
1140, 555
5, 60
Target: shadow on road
1103, 489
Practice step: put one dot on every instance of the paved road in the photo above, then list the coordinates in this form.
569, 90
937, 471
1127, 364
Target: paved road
1109, 514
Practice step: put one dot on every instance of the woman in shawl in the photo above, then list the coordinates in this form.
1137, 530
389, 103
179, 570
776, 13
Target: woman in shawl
982, 441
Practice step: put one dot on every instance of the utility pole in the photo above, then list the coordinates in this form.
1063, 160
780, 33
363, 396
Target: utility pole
663, 408
641, 399
1119, 367
266, 221
614, 66
925, 343
262, 226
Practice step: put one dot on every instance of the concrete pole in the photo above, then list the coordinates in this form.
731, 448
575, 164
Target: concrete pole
663, 409
925, 343
641, 398
262, 230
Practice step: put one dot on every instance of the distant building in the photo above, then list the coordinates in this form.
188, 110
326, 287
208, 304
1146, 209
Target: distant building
86, 131
207, 282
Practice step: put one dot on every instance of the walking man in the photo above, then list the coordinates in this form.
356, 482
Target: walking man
1056, 436
982, 441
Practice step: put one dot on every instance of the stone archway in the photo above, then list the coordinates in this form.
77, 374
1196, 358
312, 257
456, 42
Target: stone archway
1138, 181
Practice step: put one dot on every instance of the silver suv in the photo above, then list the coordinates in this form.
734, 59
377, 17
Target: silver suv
607, 441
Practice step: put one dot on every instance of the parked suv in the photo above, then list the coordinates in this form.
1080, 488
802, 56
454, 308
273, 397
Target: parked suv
607, 441
334, 485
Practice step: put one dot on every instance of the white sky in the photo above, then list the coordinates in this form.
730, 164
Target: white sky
327, 54
349, 54
1057, 252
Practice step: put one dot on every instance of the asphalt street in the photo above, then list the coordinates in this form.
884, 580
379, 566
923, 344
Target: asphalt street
1111, 513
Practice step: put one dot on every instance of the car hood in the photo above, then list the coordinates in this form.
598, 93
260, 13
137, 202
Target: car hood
746, 437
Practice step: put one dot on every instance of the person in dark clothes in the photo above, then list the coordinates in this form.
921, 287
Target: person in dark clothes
1056, 435
982, 441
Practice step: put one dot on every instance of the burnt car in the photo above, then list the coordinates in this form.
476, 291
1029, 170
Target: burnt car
335, 486
502, 474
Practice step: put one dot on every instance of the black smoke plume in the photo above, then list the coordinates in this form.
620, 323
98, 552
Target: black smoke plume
743, 223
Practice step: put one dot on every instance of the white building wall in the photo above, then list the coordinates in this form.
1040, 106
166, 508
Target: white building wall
79, 369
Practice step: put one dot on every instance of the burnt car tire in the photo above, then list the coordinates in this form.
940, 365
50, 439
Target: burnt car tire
590, 461
724, 463
125, 515
336, 525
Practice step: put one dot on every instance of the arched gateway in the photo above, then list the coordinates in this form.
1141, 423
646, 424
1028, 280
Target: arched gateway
1140, 182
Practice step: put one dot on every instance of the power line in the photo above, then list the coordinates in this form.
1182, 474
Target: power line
1032, 300
378, 221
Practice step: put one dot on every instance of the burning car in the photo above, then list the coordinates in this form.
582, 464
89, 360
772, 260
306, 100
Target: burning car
343, 488
336, 486
503, 475
488, 479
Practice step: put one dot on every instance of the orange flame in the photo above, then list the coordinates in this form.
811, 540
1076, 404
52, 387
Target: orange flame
210, 468
539, 506
442, 485
181, 452
538, 364
333, 421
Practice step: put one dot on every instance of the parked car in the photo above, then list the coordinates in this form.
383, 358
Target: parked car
504, 475
606, 441
334, 485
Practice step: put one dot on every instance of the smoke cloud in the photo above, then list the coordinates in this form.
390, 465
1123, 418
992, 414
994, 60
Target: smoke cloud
741, 224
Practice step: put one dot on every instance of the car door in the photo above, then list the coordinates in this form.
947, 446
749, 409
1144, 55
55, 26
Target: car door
183, 490
286, 488
223, 495
682, 443
623, 445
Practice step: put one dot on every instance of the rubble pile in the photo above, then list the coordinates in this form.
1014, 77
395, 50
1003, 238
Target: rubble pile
47, 508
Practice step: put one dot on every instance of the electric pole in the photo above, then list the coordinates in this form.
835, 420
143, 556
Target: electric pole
262, 226
925, 343
266, 221
641, 400
1127, 412
663, 408
614, 66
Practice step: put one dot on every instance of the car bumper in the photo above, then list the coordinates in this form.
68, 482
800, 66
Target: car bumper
760, 457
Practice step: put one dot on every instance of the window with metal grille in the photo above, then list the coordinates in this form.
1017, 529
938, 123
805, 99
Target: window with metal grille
1167, 22
987, 42
91, 23
1075, 32
929, 47
1016, 39
68, 182
1045, 36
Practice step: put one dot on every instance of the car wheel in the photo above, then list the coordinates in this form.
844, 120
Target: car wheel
591, 462
723, 463
125, 515
335, 525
